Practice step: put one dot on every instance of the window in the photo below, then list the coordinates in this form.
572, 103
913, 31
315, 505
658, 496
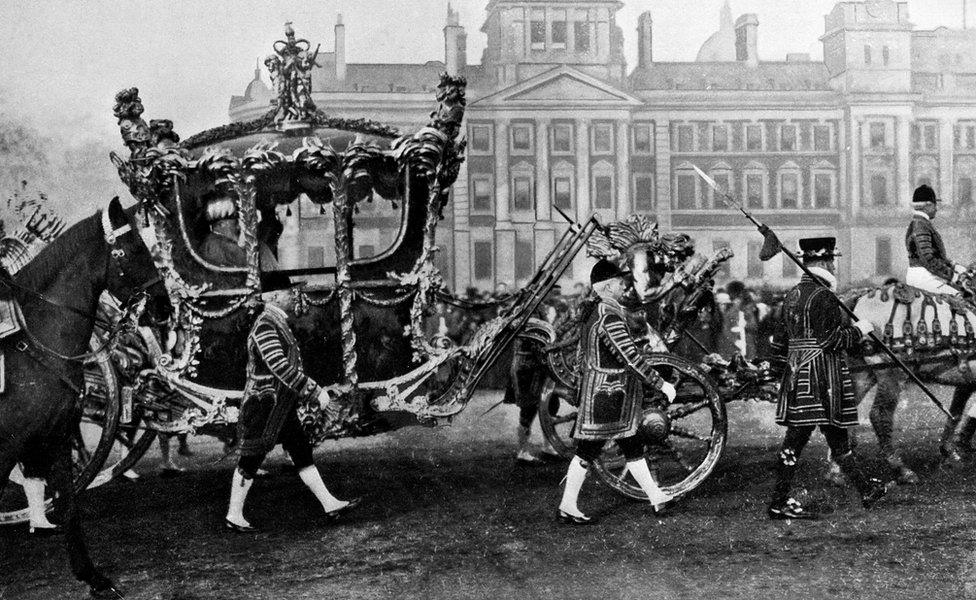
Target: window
481, 138
964, 193
602, 138
316, 257
882, 255
685, 138
537, 30
720, 138
823, 190
522, 194
603, 191
562, 138
481, 195
581, 34
867, 55
754, 137
754, 266
877, 133
562, 192
559, 30
879, 190
821, 138
970, 137
365, 251
885, 55
524, 258
644, 192
642, 139
522, 138
725, 270
931, 137
787, 138
789, 267
789, 190
724, 180
754, 190
965, 137
916, 136
483, 260
687, 192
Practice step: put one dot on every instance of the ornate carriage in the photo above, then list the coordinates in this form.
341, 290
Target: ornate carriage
361, 321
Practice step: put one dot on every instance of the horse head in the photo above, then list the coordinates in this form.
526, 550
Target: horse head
130, 267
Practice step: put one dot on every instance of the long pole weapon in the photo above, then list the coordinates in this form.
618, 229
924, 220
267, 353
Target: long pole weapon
772, 246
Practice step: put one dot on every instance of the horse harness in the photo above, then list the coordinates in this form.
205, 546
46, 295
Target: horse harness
40, 352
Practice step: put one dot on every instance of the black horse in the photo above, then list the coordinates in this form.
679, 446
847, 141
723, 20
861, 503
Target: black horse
58, 294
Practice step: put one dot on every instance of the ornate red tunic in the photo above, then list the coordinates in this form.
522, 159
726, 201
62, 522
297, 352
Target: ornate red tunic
817, 386
613, 372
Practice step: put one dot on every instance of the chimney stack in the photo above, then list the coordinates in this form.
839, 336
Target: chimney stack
746, 39
340, 49
645, 37
455, 43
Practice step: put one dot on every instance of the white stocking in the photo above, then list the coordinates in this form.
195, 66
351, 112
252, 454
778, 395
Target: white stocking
34, 490
311, 478
642, 475
575, 476
239, 486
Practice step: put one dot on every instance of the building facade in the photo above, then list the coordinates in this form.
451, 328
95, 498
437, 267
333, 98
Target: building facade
557, 120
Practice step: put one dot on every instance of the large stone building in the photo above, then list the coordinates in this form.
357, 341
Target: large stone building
557, 119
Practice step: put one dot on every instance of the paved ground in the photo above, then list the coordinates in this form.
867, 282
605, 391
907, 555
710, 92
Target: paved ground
449, 515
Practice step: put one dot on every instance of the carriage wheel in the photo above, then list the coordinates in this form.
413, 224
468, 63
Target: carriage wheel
91, 441
690, 438
557, 418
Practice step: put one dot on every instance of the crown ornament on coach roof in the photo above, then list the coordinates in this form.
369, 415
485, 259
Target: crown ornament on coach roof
290, 68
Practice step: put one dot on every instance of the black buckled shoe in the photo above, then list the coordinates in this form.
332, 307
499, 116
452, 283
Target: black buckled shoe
567, 519
333, 515
239, 528
876, 492
791, 509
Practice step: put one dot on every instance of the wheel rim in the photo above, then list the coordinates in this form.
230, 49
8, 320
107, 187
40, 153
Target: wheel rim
694, 445
557, 419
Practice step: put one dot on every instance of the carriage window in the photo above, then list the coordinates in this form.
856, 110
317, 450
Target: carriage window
316, 257
882, 256
365, 251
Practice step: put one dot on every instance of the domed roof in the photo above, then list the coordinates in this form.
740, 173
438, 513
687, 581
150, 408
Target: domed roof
720, 46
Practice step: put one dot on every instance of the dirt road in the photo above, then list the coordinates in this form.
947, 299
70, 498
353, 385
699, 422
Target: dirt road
448, 514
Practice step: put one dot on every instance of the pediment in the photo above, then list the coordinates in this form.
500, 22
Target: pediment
563, 86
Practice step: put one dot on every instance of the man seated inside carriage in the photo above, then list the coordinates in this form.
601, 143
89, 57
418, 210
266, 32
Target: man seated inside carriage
929, 269
221, 246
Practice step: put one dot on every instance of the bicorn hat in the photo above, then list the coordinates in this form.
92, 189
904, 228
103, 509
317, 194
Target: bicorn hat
924, 194
273, 281
604, 270
821, 248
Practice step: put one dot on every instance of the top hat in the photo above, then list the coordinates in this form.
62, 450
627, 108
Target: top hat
273, 281
604, 270
821, 248
923, 194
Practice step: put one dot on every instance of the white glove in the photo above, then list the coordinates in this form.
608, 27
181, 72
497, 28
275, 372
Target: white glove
865, 327
324, 397
959, 269
668, 390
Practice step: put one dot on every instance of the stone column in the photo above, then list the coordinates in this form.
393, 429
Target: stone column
947, 179
662, 169
903, 162
623, 170
543, 229
581, 266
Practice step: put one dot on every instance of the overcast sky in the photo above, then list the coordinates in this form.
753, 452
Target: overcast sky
64, 60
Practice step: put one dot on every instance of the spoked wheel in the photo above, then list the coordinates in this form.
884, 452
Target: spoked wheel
686, 440
91, 441
557, 418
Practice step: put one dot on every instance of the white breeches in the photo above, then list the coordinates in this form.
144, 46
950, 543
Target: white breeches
923, 279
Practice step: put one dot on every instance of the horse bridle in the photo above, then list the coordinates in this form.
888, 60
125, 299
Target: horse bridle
135, 304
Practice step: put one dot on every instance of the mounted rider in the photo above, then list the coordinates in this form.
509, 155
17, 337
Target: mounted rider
929, 269
817, 388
